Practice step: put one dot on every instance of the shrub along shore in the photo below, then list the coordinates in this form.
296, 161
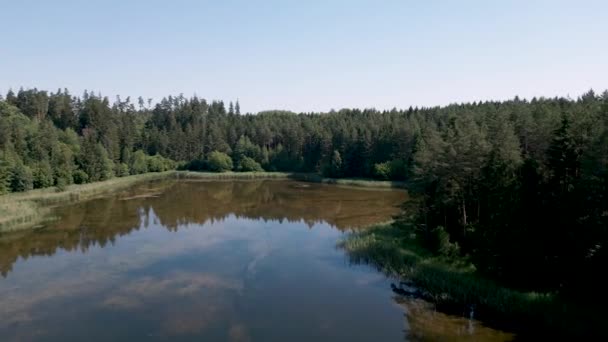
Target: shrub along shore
455, 286
24, 210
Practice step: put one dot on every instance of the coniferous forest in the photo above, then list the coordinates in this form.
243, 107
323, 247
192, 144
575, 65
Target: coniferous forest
520, 186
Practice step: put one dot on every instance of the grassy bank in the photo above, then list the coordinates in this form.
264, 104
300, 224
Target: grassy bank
195, 175
455, 286
27, 209
358, 182
305, 177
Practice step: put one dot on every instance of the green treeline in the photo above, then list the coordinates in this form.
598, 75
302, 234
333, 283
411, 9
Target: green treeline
518, 186
521, 188
56, 139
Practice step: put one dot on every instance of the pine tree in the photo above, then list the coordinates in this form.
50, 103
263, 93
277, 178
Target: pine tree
21, 178
237, 108
563, 158
11, 98
5, 174
335, 168
94, 159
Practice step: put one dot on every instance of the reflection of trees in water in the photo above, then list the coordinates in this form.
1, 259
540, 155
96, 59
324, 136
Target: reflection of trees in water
101, 221
425, 323
82, 226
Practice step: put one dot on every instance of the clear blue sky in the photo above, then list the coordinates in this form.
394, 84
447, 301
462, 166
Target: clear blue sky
307, 55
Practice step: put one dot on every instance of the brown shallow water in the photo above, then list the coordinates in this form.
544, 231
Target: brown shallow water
225, 261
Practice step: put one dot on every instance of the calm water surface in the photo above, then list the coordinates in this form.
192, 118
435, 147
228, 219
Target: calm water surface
225, 261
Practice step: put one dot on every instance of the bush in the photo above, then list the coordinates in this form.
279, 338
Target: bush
245, 148
122, 170
182, 165
391, 170
280, 159
62, 184
440, 243
139, 163
43, 175
142, 163
334, 167
94, 160
155, 164
62, 162
248, 164
382, 170
219, 162
21, 178
104, 169
398, 169
158, 163
80, 177
5, 176
194, 165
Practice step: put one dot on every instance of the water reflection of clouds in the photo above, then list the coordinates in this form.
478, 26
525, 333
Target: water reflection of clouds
126, 256
203, 298
142, 290
103, 268
99, 273
21, 304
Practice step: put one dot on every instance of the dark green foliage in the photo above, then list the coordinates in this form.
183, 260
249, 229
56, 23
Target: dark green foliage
281, 160
62, 163
195, 165
247, 164
517, 186
335, 166
21, 178
142, 163
246, 149
94, 159
80, 177
33, 103
523, 196
219, 162
139, 163
158, 163
122, 170
439, 242
43, 175
453, 284
61, 184
395, 169
5, 175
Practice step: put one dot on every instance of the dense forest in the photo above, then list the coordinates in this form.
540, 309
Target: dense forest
520, 186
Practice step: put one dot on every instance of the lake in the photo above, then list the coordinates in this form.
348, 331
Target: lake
212, 260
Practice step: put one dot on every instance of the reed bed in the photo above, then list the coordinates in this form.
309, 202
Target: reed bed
455, 286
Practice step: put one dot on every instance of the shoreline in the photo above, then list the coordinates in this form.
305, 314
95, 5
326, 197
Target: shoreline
26, 210
455, 286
